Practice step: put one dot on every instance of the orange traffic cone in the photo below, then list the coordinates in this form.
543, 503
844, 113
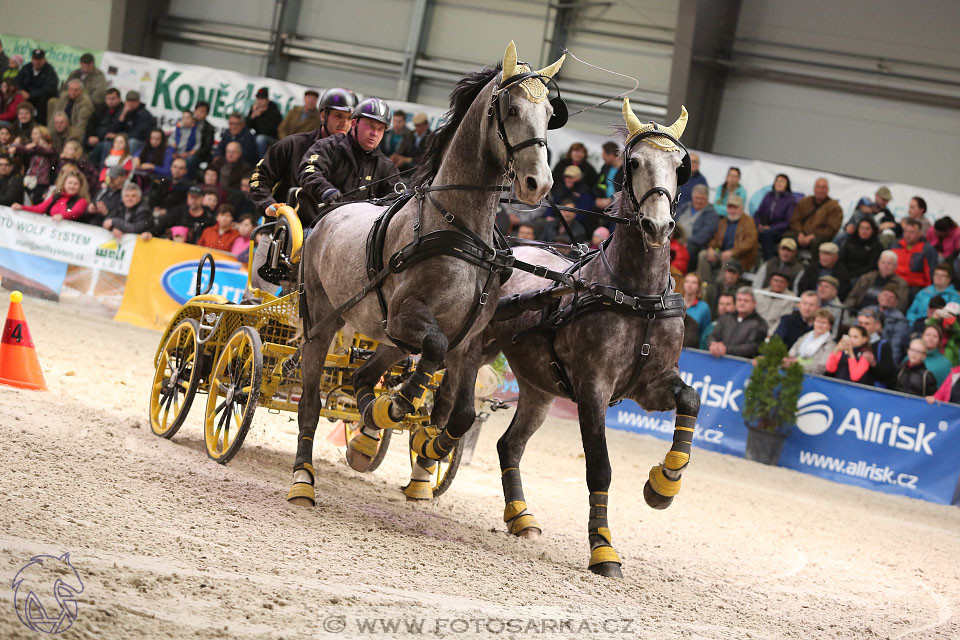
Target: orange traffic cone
338, 435
19, 364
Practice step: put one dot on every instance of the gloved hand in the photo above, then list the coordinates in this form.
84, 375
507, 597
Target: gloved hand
330, 195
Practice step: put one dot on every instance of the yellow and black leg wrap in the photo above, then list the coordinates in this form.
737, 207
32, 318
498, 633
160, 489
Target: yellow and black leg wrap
303, 489
421, 485
433, 447
414, 389
377, 415
664, 481
604, 559
515, 512
364, 443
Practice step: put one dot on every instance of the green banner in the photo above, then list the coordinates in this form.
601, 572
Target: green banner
63, 58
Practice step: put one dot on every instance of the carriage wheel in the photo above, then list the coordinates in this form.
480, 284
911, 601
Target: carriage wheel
234, 392
350, 429
175, 382
446, 470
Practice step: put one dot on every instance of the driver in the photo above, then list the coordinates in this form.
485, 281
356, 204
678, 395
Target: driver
334, 169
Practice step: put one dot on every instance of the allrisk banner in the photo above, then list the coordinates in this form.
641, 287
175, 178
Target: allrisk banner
845, 432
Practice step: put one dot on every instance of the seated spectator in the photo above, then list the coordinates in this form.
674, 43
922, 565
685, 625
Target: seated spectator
730, 187
12, 68
774, 215
136, 121
896, 329
307, 118
38, 156
167, 193
393, 138
784, 262
611, 176
913, 377
109, 201
867, 209
813, 348
69, 203
942, 286
936, 362
799, 321
155, 156
119, 156
696, 178
236, 131
573, 188
740, 333
231, 167
410, 150
221, 235
696, 308
104, 126
827, 290
554, 231
211, 182
852, 359
134, 217
679, 257
936, 304
728, 283
816, 218
870, 284
527, 232
600, 234
72, 153
725, 305
185, 140
210, 199
944, 237
242, 201
699, 221
241, 246
6, 140
770, 305
207, 133
39, 82
10, 100
915, 258
576, 156
735, 238
916, 210
885, 369
949, 390
23, 127
193, 216
61, 132
93, 81
76, 104
263, 119
11, 184
827, 264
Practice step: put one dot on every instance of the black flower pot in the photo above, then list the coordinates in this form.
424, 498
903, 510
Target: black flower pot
764, 446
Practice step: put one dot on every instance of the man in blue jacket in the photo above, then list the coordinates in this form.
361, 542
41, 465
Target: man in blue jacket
699, 220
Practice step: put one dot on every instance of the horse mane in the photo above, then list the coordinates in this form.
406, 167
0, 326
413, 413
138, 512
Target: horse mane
461, 98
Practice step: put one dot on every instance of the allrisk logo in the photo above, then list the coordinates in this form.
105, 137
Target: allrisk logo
180, 281
814, 415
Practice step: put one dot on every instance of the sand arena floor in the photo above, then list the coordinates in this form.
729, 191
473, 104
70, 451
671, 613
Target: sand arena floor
171, 545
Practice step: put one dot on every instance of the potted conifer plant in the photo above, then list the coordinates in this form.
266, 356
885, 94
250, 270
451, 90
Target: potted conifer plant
770, 404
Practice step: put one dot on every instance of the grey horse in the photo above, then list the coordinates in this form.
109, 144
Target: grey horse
604, 355
433, 300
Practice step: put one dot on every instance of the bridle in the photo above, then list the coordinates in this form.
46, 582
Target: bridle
683, 172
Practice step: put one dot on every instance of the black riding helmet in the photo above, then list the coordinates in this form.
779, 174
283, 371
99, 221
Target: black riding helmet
338, 99
375, 109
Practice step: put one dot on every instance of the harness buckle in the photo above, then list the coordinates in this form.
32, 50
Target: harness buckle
540, 271
449, 217
645, 349
483, 298
663, 304
618, 297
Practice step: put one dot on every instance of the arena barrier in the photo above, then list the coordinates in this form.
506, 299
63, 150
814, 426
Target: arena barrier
845, 432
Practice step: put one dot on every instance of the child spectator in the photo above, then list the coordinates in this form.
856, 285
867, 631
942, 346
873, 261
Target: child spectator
155, 156
852, 359
222, 235
38, 155
813, 349
913, 377
241, 246
119, 156
68, 203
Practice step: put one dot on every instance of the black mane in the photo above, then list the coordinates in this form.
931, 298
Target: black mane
461, 98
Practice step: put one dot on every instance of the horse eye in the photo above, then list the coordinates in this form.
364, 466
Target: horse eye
512, 111
634, 163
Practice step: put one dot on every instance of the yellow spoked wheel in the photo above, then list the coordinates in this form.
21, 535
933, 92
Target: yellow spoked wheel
351, 428
176, 379
446, 470
234, 393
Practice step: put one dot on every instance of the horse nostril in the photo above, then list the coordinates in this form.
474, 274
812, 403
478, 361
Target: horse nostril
670, 227
531, 184
648, 227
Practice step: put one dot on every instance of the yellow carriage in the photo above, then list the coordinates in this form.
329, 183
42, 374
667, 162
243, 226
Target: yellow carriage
241, 356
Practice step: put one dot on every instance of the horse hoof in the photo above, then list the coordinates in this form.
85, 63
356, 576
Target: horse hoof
360, 452
607, 569
358, 461
418, 491
653, 499
301, 502
530, 533
302, 495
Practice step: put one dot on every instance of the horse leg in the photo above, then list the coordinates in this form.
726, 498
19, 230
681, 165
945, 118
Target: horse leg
419, 487
532, 408
664, 481
362, 448
604, 559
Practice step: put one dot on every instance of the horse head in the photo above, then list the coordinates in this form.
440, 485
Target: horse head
655, 165
519, 114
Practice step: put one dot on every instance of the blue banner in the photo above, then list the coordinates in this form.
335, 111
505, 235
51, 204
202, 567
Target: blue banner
40, 273
845, 432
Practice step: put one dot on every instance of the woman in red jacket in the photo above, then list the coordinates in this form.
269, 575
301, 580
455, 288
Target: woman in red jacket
853, 358
10, 99
68, 203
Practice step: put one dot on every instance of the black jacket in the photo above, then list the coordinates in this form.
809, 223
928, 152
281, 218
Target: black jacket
279, 169
808, 281
105, 120
859, 257
136, 220
180, 217
11, 189
207, 134
138, 123
917, 381
885, 372
267, 122
741, 337
41, 87
791, 327
338, 164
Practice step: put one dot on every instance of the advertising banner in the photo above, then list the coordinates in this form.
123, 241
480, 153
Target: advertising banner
163, 276
63, 58
32, 274
65, 241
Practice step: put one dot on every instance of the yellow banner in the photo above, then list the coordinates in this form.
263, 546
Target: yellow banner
163, 276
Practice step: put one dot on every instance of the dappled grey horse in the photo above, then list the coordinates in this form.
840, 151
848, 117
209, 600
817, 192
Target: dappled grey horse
439, 265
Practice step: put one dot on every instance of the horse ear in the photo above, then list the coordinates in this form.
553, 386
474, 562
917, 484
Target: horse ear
66, 557
509, 61
552, 69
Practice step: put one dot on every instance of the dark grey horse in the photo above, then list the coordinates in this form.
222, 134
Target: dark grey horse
429, 303
606, 355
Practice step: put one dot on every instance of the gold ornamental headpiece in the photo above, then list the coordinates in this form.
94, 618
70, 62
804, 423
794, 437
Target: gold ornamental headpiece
535, 88
635, 127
